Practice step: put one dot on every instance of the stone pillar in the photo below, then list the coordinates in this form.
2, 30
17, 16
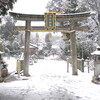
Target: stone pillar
73, 53
26, 52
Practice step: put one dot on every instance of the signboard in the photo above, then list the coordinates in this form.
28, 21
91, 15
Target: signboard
50, 21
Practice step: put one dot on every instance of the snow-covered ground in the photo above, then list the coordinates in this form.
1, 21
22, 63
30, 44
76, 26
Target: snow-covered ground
49, 80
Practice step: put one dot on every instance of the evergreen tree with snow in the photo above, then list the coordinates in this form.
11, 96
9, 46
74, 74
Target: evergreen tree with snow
7, 33
95, 6
6, 5
55, 6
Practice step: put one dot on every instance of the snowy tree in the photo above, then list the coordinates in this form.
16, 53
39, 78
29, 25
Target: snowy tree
7, 29
73, 6
8, 34
95, 6
65, 7
55, 6
48, 46
5, 5
85, 45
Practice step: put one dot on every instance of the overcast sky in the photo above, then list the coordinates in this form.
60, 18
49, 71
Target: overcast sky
30, 6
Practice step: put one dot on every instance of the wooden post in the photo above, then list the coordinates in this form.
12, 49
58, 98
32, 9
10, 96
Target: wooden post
88, 66
67, 64
26, 52
73, 53
18, 62
0, 72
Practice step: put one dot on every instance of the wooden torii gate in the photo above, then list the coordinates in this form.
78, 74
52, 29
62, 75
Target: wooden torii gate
59, 18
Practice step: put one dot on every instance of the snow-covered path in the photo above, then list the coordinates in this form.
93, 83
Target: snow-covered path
49, 80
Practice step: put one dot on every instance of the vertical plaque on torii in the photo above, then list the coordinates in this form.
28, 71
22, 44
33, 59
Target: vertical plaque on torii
50, 20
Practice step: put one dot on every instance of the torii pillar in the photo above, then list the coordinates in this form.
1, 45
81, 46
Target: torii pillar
26, 51
73, 53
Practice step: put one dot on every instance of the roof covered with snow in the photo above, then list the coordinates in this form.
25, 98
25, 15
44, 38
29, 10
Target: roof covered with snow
96, 53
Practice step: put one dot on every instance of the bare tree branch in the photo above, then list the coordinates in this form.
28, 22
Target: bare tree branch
95, 6
95, 21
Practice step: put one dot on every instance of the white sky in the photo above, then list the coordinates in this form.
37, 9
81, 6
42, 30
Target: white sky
30, 6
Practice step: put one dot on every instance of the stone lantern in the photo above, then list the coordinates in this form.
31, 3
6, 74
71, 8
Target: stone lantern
96, 55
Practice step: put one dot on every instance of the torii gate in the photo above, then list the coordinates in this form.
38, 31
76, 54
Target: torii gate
59, 18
